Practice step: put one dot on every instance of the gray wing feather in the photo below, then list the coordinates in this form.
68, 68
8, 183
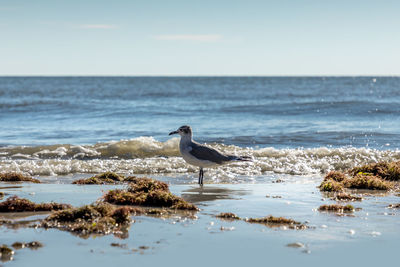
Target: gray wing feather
207, 153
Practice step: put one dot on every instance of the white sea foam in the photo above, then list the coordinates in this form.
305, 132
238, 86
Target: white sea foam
145, 155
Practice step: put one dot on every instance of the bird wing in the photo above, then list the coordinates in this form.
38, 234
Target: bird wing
206, 153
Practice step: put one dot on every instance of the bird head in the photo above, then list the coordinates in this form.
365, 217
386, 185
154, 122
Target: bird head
184, 130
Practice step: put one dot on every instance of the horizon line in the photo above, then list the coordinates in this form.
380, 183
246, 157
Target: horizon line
194, 75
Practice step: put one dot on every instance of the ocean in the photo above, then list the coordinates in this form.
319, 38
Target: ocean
289, 125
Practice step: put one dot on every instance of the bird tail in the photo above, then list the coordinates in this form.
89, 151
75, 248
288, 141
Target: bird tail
243, 158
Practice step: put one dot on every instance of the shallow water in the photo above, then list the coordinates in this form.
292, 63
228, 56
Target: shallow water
374, 230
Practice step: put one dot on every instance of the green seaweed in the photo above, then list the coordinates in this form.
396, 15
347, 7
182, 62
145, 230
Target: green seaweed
16, 177
16, 204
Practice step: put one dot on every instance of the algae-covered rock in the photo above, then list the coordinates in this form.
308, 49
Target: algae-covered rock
337, 208
147, 192
16, 204
1, 195
272, 221
16, 177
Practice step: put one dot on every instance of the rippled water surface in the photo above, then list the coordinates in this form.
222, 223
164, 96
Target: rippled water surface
294, 125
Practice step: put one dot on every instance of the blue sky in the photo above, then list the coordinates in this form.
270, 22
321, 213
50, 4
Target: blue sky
318, 37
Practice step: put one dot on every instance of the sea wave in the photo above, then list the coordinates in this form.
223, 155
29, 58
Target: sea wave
145, 155
141, 147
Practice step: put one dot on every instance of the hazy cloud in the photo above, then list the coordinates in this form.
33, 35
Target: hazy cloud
189, 37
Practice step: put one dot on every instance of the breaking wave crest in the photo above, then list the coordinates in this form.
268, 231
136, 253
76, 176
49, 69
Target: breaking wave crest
145, 155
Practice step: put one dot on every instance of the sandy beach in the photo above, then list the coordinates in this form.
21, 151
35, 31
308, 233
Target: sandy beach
203, 239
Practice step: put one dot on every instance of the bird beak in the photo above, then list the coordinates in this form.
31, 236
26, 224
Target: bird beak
174, 132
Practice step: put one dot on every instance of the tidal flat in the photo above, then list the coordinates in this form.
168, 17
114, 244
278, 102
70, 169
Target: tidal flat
366, 237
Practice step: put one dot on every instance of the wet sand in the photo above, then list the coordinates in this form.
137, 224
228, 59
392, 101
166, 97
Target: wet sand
366, 237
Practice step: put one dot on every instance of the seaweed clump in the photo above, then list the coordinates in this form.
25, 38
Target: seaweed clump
337, 208
331, 186
385, 170
32, 245
1, 195
342, 196
336, 176
106, 178
101, 219
272, 221
17, 177
147, 192
6, 253
103, 178
16, 204
228, 216
367, 181
378, 178
394, 206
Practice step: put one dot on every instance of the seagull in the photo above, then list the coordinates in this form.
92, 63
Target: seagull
200, 155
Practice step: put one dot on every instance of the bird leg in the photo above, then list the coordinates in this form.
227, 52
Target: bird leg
201, 174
